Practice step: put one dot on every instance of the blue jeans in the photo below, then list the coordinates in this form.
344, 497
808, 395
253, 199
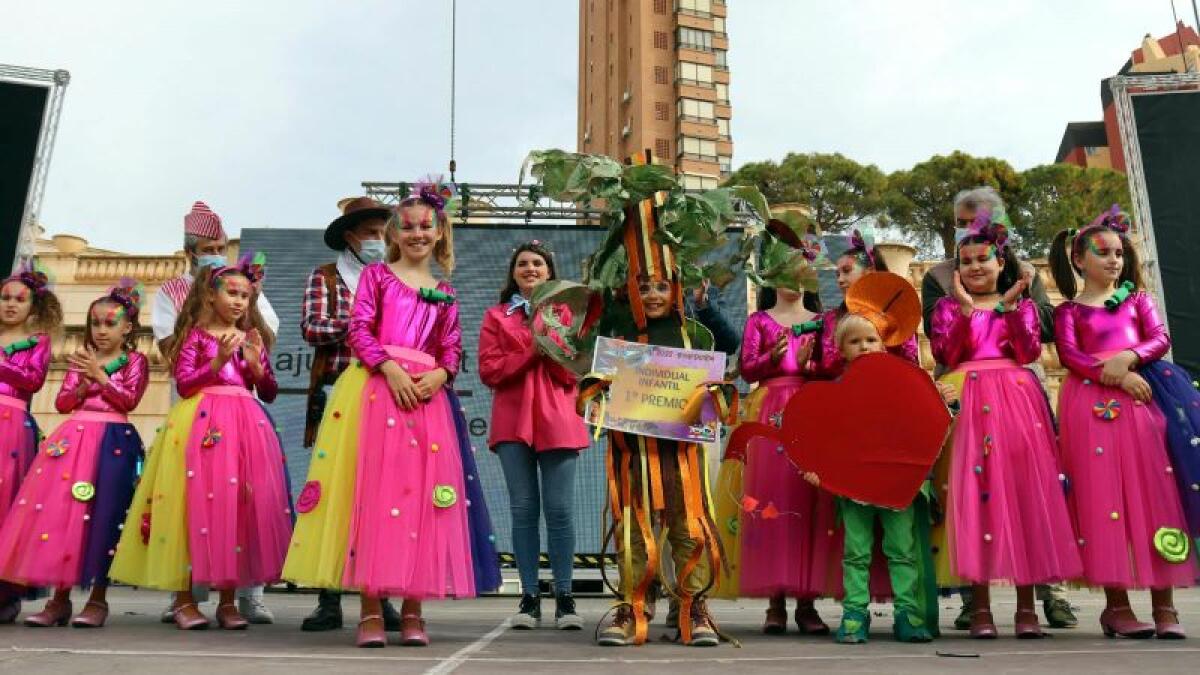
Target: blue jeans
526, 502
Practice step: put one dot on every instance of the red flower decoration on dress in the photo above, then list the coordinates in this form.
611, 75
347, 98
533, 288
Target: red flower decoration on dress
146, 528
309, 497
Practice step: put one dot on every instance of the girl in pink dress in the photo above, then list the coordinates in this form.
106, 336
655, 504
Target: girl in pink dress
65, 523
29, 315
792, 547
1113, 437
212, 507
386, 510
1007, 515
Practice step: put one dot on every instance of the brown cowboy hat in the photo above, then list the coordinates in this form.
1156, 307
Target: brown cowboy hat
354, 211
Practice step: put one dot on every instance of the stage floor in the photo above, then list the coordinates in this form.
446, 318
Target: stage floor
472, 637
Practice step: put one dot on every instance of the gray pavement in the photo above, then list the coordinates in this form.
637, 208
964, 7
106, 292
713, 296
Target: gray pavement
471, 637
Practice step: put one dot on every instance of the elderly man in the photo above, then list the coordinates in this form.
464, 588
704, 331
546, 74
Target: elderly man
937, 284
204, 242
358, 236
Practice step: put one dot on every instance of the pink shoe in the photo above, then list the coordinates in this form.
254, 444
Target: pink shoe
412, 631
54, 614
1027, 628
1168, 630
983, 626
188, 617
229, 618
94, 615
776, 621
370, 632
1114, 625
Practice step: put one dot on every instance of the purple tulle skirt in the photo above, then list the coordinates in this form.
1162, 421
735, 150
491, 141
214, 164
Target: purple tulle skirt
484, 558
1179, 401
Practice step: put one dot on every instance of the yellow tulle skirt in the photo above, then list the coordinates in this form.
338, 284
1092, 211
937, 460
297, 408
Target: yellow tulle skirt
317, 555
163, 561
727, 501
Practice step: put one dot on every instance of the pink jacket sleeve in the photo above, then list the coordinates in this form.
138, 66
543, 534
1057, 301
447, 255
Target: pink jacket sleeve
193, 368
449, 339
951, 333
755, 360
1066, 342
363, 319
69, 398
31, 375
1024, 332
503, 354
125, 395
266, 386
909, 351
1155, 341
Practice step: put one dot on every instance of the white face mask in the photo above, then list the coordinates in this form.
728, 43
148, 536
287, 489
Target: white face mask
371, 250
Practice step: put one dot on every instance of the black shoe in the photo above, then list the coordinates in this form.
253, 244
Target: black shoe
391, 618
565, 617
529, 614
327, 615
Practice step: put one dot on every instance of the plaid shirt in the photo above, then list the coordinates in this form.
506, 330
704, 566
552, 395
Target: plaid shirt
326, 325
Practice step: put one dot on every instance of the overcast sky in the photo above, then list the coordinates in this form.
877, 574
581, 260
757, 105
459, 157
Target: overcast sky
271, 111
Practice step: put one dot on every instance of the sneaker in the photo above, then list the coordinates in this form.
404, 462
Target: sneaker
529, 614
1059, 614
704, 633
391, 618
909, 628
963, 620
854, 629
565, 617
619, 632
168, 614
253, 610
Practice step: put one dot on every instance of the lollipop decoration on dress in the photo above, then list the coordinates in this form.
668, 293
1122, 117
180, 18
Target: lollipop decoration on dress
1172, 544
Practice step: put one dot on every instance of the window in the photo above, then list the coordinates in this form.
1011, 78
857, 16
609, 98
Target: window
695, 73
695, 110
695, 7
660, 39
698, 148
692, 181
692, 38
660, 6
662, 148
660, 75
723, 128
722, 93
726, 164
719, 25
719, 55
662, 111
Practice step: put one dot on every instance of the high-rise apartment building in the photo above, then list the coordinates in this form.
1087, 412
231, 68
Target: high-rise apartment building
653, 74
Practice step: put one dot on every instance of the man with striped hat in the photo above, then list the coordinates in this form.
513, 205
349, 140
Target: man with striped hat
204, 243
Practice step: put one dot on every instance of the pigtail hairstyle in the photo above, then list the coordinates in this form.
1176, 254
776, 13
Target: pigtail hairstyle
1070, 243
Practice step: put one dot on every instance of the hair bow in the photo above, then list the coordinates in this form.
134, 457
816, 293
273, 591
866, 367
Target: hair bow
864, 244
1114, 219
517, 303
435, 296
252, 266
991, 227
433, 192
34, 277
811, 248
128, 293
814, 326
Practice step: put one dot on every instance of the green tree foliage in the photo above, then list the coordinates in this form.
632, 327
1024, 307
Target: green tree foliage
839, 192
920, 200
1057, 196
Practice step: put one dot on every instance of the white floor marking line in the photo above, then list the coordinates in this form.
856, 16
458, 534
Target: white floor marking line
459, 657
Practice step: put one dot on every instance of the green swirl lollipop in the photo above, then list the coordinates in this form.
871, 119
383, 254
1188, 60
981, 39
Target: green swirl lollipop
1172, 544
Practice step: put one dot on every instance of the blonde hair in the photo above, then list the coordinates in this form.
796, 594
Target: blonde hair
443, 250
200, 301
849, 322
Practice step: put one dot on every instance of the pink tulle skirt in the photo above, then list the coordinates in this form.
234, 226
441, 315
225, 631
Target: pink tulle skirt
1122, 487
409, 535
238, 511
794, 548
18, 445
1008, 516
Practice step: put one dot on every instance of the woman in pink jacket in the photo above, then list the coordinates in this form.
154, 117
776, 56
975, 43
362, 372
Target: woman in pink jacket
534, 426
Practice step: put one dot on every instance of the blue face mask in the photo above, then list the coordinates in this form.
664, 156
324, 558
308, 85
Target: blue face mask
371, 250
203, 261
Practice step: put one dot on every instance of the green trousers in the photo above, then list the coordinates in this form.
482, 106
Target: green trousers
899, 547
